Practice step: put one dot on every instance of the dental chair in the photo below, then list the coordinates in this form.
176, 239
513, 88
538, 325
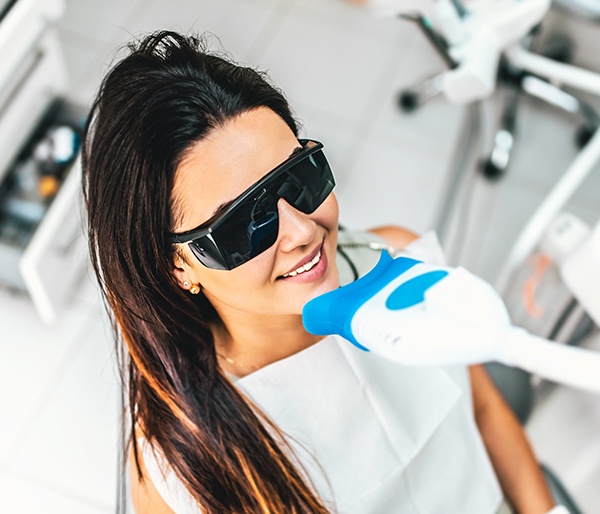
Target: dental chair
519, 83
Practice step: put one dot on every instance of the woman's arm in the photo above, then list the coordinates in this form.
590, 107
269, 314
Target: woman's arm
395, 236
512, 457
145, 498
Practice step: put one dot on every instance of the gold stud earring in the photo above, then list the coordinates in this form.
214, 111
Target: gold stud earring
195, 289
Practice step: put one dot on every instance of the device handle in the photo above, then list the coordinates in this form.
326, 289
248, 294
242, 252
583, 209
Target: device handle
568, 365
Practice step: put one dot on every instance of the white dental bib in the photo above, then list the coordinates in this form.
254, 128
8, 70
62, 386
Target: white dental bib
377, 437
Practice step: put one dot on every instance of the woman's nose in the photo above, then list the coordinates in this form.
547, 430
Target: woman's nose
295, 228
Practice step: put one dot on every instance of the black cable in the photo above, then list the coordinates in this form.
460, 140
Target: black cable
562, 319
436, 40
349, 261
585, 327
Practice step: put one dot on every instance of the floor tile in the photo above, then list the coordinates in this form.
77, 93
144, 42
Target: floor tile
20, 496
319, 126
32, 358
86, 296
235, 33
391, 185
73, 443
322, 66
351, 19
99, 20
79, 54
136, 18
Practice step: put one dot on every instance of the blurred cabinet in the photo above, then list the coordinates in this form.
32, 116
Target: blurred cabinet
42, 251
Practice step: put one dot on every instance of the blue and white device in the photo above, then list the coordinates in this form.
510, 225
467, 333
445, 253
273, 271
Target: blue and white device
424, 315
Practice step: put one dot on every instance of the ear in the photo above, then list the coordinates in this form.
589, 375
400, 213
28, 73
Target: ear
182, 270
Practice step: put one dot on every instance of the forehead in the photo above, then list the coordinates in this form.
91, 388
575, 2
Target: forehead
228, 161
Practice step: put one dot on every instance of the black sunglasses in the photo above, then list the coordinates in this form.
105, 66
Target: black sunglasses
249, 225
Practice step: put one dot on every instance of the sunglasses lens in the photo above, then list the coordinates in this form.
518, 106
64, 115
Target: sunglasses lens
207, 252
248, 232
253, 225
312, 182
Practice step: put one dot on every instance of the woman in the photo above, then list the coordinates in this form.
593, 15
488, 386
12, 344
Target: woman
210, 226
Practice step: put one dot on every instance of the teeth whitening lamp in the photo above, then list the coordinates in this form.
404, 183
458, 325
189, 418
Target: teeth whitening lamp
423, 315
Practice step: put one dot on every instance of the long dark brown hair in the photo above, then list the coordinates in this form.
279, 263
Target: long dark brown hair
167, 94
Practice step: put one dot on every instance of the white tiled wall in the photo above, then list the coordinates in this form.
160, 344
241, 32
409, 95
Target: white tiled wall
341, 70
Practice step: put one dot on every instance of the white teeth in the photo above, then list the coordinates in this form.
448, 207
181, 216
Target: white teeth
305, 267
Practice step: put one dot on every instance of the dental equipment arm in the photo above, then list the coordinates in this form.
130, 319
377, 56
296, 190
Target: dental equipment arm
475, 36
424, 315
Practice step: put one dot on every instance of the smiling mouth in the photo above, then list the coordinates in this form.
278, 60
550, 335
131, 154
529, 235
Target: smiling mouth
305, 267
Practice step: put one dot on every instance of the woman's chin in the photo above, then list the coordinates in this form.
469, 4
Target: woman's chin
324, 287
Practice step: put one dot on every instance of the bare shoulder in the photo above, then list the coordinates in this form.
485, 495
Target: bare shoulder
144, 495
395, 236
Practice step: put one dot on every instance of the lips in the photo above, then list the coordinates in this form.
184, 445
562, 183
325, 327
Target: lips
305, 267
308, 266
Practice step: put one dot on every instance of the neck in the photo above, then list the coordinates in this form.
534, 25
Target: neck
244, 346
